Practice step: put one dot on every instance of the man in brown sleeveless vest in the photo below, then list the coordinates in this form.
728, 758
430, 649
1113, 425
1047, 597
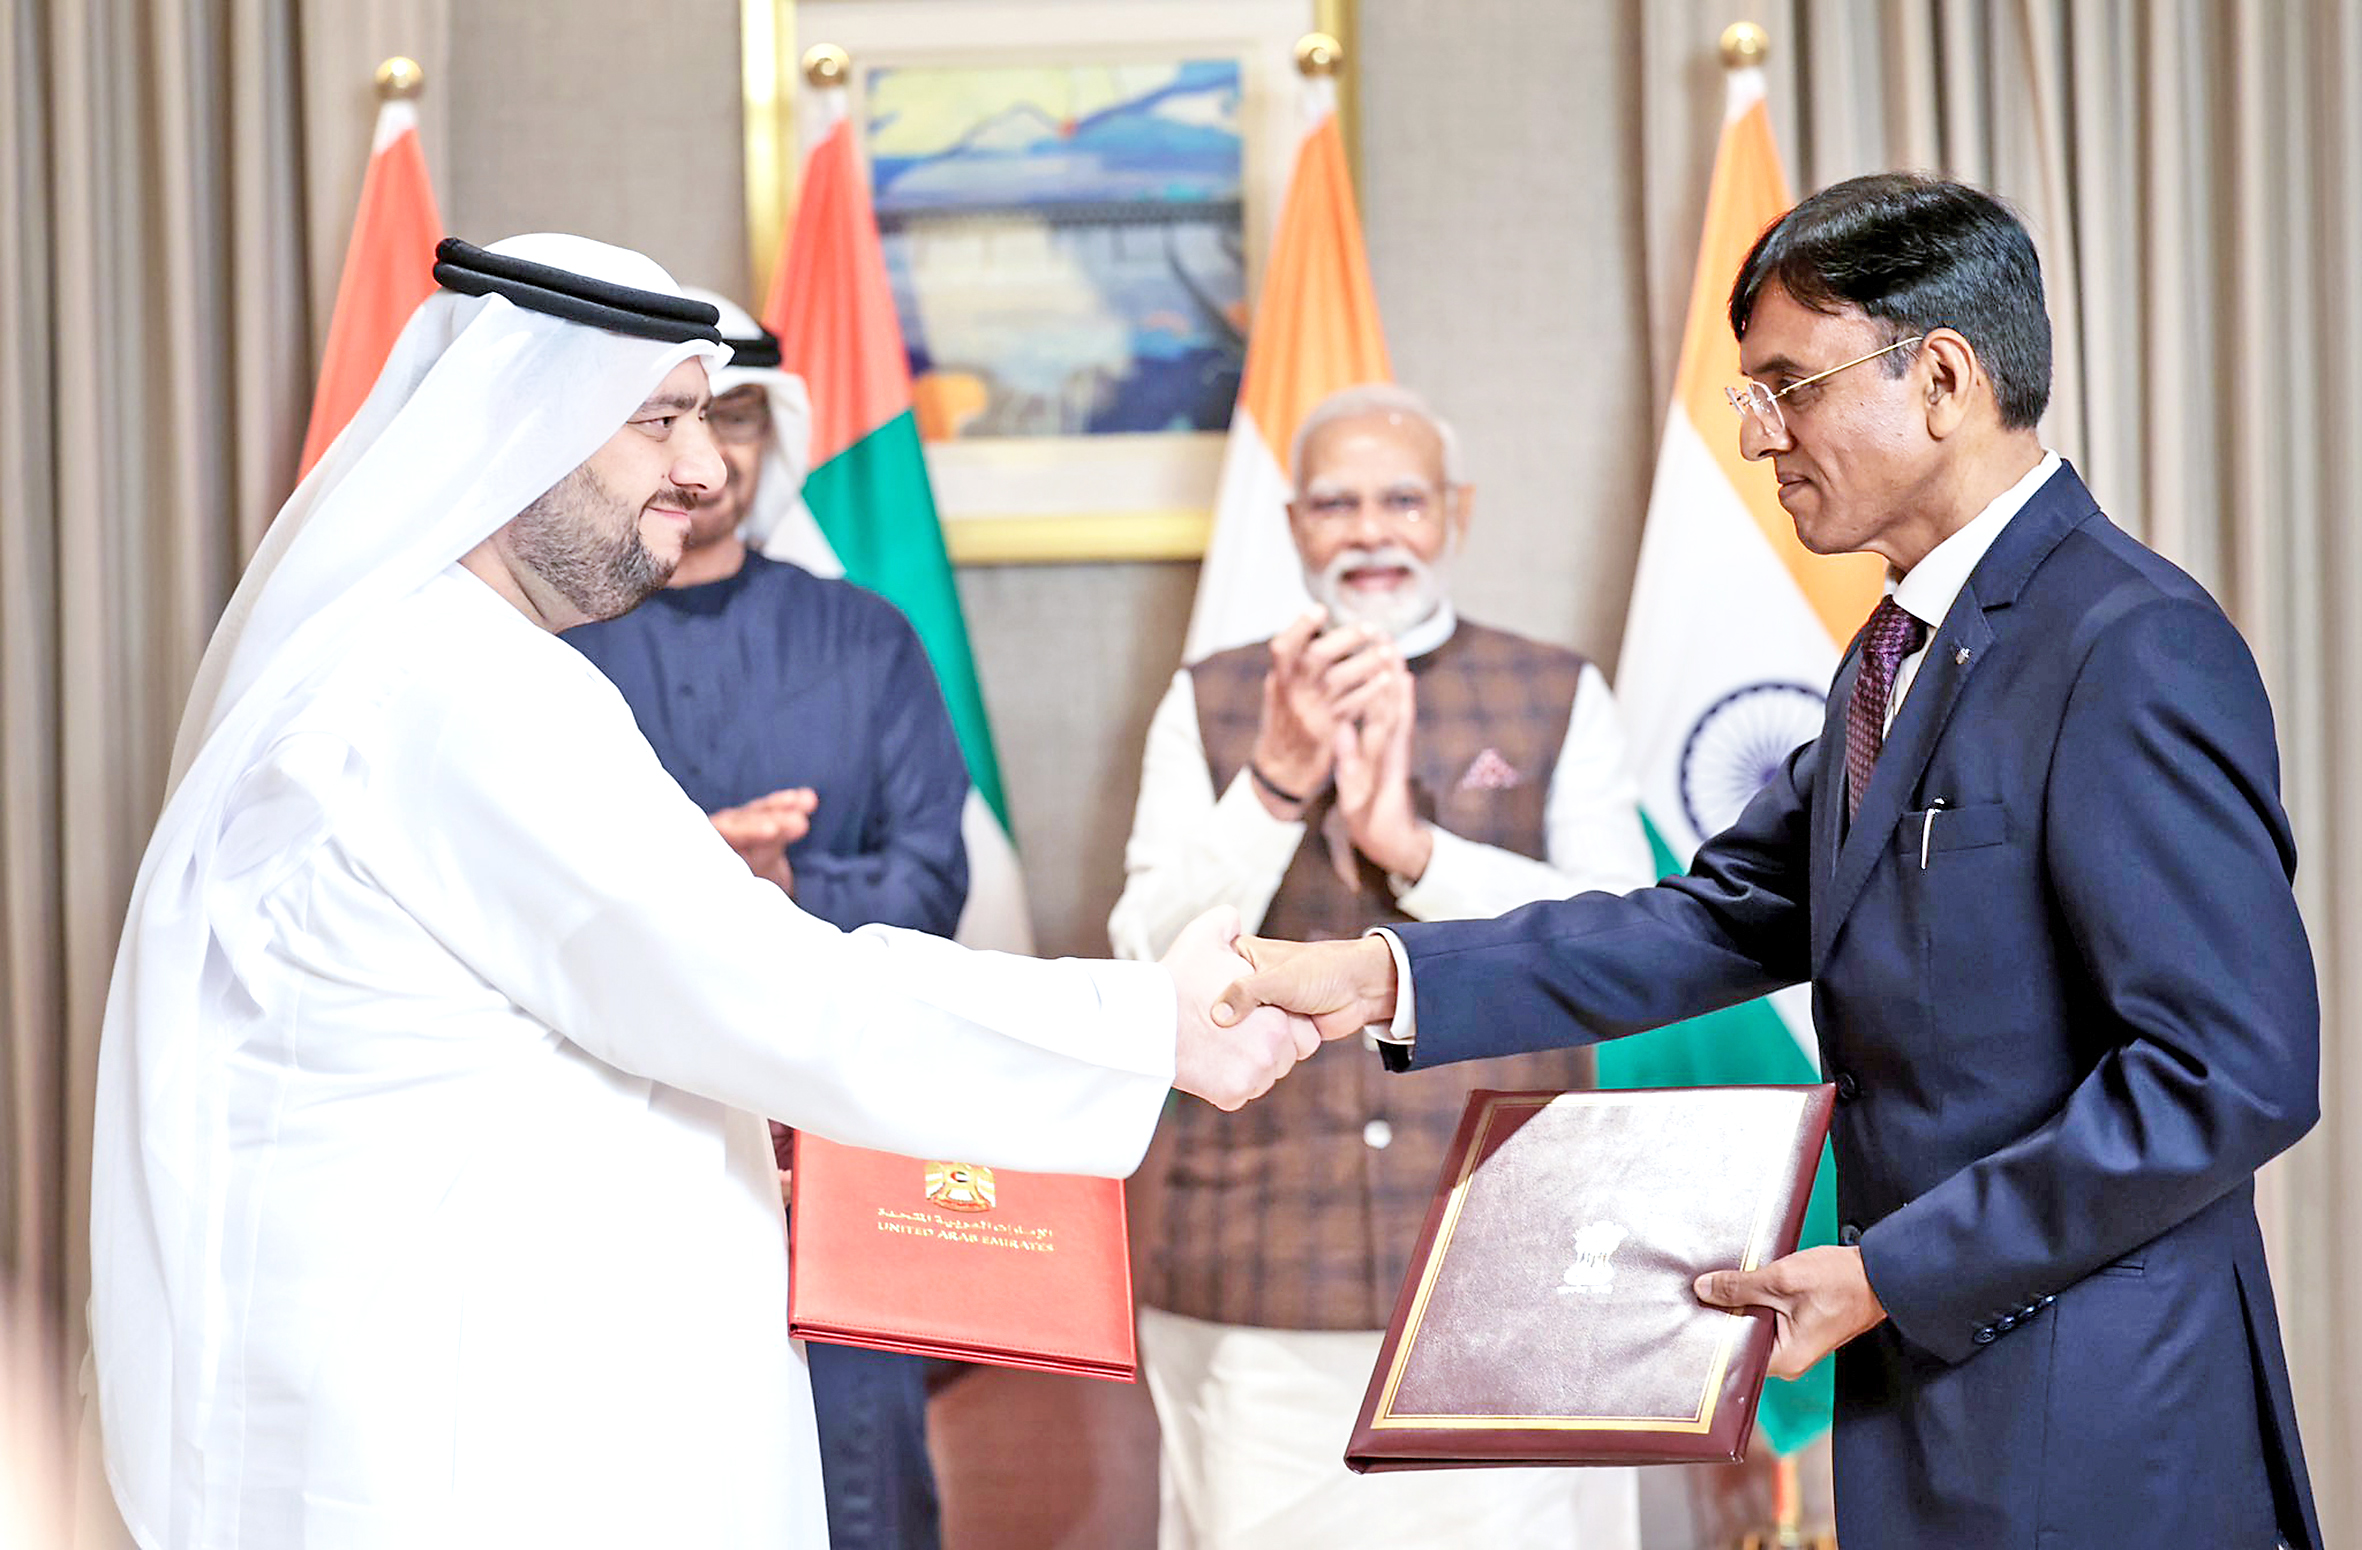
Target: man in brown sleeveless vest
1380, 760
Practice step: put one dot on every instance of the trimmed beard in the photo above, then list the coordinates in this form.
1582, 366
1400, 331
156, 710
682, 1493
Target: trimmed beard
584, 540
1410, 604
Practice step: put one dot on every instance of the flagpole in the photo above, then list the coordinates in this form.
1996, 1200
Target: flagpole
1745, 45
828, 69
388, 261
827, 65
399, 79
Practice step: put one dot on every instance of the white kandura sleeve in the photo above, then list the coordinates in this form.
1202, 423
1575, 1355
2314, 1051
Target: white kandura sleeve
1591, 826
1189, 851
536, 834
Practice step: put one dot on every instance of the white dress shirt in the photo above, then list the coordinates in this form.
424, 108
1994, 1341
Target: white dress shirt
1926, 594
1191, 849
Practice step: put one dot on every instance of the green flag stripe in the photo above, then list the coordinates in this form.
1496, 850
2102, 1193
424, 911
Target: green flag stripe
876, 509
1739, 1045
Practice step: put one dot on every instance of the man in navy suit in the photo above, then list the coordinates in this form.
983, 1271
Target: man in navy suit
2037, 873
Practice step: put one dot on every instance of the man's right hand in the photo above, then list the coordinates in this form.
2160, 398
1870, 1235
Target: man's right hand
1225, 1063
1342, 986
1316, 682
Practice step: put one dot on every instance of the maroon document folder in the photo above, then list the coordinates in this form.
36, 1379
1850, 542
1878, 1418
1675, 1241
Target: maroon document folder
945, 1258
1548, 1316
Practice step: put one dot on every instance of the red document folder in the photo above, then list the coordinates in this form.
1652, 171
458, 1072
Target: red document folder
1549, 1317
943, 1258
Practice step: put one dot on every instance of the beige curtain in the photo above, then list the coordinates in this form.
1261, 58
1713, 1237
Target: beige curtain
151, 361
176, 183
2192, 171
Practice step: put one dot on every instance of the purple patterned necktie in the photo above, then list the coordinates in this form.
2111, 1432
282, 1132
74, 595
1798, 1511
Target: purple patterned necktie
1890, 636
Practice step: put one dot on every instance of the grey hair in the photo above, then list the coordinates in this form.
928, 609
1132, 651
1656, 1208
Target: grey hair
1363, 401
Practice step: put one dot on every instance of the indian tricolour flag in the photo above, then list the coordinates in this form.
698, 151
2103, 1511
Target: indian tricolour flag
833, 310
1733, 635
1315, 331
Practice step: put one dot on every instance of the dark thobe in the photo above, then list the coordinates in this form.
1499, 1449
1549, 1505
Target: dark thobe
776, 678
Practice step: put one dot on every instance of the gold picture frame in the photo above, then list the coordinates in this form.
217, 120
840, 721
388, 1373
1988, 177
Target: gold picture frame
1046, 498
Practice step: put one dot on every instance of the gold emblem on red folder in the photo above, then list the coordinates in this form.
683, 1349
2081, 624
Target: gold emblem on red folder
960, 1186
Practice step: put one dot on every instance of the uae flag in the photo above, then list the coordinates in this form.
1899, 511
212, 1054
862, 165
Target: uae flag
833, 310
389, 268
1734, 632
1315, 331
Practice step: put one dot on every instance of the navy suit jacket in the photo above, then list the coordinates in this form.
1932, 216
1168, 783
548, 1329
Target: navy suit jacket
2062, 1045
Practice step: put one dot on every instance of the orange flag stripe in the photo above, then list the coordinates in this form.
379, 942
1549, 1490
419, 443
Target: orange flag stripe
832, 307
388, 270
1318, 331
1747, 194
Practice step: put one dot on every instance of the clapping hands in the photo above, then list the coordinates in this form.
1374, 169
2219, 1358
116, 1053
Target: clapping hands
1319, 680
1339, 706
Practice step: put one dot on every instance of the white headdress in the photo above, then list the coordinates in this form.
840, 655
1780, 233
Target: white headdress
489, 399
778, 523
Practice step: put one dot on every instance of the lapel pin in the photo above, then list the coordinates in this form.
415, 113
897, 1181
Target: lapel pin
1960, 657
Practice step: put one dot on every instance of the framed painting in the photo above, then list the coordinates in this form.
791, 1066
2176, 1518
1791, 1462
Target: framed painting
1075, 199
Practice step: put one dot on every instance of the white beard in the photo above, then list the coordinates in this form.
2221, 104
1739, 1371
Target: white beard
1390, 613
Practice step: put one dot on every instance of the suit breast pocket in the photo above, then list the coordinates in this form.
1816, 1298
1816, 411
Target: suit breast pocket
1970, 890
1928, 832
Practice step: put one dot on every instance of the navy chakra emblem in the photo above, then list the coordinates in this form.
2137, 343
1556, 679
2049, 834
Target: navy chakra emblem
1738, 744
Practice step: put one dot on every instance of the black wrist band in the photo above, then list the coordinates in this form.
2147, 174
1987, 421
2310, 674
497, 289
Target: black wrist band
1273, 786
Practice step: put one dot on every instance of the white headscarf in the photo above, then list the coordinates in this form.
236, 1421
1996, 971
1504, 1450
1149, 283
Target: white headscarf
778, 524
482, 407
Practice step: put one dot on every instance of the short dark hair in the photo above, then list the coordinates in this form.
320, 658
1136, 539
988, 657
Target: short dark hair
1916, 253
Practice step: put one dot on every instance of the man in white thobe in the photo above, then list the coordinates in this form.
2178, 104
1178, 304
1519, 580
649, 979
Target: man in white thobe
431, 1204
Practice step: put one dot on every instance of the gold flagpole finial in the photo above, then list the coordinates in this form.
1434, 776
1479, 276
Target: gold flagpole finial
825, 64
1744, 45
399, 79
1317, 53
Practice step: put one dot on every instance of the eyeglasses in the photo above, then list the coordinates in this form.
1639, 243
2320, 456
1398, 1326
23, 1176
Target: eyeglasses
1753, 401
1409, 506
740, 423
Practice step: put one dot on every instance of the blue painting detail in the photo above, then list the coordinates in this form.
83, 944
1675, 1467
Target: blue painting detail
1065, 244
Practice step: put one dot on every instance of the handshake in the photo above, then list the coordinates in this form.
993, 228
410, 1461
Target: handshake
1250, 1007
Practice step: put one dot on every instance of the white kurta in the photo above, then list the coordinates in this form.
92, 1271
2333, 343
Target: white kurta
500, 1252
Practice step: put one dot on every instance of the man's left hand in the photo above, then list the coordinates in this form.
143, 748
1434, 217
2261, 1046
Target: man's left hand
761, 830
1374, 780
1821, 1298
